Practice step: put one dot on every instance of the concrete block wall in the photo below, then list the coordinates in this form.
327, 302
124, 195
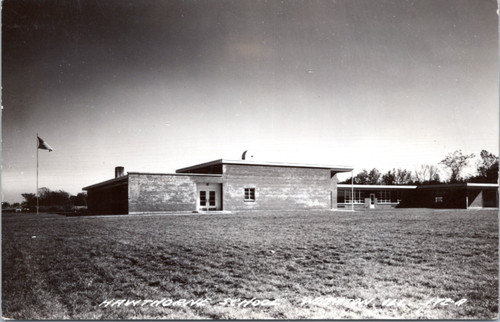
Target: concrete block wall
159, 193
164, 192
278, 188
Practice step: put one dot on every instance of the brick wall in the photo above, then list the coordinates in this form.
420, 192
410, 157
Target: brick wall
164, 192
278, 188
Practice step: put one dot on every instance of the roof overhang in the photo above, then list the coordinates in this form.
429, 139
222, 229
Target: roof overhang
111, 182
461, 185
434, 186
375, 187
267, 164
483, 185
176, 174
117, 181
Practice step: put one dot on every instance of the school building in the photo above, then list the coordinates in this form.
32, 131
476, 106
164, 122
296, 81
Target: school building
220, 185
240, 185
460, 196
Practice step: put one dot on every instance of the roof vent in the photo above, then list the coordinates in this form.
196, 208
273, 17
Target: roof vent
244, 155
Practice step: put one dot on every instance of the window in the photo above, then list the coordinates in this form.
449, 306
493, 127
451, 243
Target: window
438, 200
249, 194
397, 196
345, 196
203, 198
211, 200
384, 196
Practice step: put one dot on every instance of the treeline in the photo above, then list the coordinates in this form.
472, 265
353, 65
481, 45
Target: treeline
49, 200
453, 163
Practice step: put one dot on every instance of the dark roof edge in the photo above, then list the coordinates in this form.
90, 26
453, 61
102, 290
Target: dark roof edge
460, 185
115, 180
268, 164
104, 183
178, 174
201, 165
432, 186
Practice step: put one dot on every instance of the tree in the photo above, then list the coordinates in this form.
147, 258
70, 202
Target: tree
79, 200
374, 176
59, 198
487, 167
389, 178
29, 199
365, 177
455, 162
51, 198
403, 176
397, 177
43, 193
346, 181
5, 205
361, 178
427, 174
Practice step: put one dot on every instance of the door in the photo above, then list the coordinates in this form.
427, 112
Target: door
209, 197
372, 200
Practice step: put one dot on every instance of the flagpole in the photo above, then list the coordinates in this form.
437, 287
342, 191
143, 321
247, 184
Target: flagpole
352, 190
37, 173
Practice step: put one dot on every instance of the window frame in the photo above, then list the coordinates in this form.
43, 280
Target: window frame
249, 194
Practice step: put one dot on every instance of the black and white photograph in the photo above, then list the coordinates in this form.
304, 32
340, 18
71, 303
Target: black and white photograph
250, 159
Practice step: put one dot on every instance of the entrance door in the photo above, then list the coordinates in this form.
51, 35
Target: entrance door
209, 197
372, 200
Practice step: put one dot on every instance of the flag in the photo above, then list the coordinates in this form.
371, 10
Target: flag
43, 145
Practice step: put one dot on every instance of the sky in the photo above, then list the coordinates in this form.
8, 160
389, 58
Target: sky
157, 85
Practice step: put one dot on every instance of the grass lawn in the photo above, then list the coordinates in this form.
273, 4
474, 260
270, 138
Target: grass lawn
57, 267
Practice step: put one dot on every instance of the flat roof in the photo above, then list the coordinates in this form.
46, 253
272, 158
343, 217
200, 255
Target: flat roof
268, 164
179, 174
461, 185
374, 186
116, 180
485, 185
104, 183
432, 186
